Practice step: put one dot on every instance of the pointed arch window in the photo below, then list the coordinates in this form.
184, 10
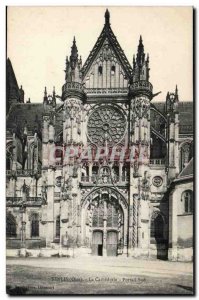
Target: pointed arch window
57, 233
98, 215
113, 70
186, 154
95, 170
100, 70
10, 226
35, 225
187, 198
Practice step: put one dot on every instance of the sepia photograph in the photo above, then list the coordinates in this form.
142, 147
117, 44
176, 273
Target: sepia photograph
99, 150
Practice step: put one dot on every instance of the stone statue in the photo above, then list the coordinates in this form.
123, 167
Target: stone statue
44, 193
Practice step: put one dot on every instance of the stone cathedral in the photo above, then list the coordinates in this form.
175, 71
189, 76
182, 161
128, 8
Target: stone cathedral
100, 168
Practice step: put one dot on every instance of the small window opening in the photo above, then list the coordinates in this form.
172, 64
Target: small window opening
113, 70
100, 70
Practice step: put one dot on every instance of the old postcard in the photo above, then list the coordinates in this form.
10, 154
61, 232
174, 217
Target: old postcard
99, 150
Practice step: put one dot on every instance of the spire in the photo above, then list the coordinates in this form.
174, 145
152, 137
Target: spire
147, 58
54, 98
107, 17
176, 93
134, 63
45, 99
73, 65
74, 54
140, 52
21, 94
140, 64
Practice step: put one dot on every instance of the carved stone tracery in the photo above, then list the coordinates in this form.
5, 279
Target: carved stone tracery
106, 125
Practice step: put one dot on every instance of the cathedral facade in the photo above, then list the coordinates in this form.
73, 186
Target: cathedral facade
100, 169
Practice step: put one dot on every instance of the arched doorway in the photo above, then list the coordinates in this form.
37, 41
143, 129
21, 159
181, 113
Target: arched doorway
104, 223
157, 227
158, 235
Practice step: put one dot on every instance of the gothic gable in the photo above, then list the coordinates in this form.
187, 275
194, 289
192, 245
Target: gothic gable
106, 71
107, 65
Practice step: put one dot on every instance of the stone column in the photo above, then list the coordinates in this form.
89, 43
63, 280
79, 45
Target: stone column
134, 211
50, 207
139, 226
173, 227
176, 156
90, 171
130, 243
120, 171
105, 230
45, 139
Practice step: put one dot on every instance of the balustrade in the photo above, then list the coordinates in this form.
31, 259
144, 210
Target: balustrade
157, 161
94, 178
19, 200
106, 91
22, 173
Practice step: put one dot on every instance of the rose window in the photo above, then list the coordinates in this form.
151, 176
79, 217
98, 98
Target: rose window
106, 125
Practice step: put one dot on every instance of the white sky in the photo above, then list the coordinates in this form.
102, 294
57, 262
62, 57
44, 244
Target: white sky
39, 38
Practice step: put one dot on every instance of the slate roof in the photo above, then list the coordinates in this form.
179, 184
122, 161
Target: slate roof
32, 114
21, 112
186, 116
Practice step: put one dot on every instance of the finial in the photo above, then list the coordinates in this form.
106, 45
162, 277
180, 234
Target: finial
107, 17
168, 96
134, 60
80, 60
53, 90
45, 92
176, 90
140, 41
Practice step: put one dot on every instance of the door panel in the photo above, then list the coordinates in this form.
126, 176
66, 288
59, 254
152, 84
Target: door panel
111, 243
97, 243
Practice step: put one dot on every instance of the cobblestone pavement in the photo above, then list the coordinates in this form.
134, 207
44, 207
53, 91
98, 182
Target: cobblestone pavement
97, 275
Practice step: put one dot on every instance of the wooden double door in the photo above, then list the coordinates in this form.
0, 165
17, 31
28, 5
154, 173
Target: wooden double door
111, 243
